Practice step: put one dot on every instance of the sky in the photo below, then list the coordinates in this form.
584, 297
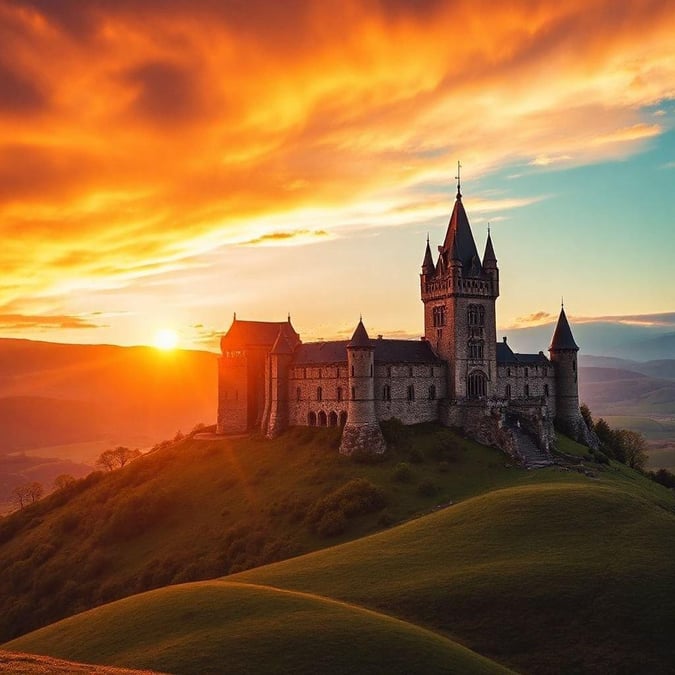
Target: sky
166, 164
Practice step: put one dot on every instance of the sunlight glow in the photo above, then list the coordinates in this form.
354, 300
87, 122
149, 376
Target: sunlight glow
166, 339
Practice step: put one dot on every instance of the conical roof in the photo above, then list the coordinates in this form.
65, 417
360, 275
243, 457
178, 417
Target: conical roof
428, 264
360, 337
562, 337
489, 256
460, 230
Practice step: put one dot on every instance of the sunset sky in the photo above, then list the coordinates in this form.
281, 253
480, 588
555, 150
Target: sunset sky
165, 164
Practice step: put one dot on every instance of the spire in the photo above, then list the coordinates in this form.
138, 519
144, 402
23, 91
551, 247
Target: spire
428, 264
460, 230
489, 258
360, 337
458, 179
562, 337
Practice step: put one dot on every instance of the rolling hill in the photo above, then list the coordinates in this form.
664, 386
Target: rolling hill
539, 571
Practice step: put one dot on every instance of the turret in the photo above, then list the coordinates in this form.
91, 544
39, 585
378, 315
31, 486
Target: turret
362, 433
278, 363
490, 264
428, 263
563, 352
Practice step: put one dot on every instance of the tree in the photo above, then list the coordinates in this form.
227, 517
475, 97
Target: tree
634, 448
63, 481
116, 458
586, 414
27, 493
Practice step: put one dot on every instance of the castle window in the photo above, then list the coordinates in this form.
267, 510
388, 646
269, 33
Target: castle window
432, 392
438, 316
476, 315
337, 372
339, 393
319, 394
298, 394
526, 372
353, 393
311, 419
574, 364
386, 393
371, 369
411, 392
319, 373
527, 390
477, 384
388, 371
352, 371
332, 419
304, 373
343, 418
545, 390
508, 372
431, 371
508, 391
476, 350
323, 420
411, 371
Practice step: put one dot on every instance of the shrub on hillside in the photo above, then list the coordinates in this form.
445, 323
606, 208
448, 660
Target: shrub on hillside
402, 473
664, 477
355, 498
396, 434
331, 524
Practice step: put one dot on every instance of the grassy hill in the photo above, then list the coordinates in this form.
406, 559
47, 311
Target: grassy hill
209, 627
530, 569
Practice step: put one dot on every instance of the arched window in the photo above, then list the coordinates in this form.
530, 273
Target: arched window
388, 371
574, 364
526, 372
411, 392
298, 394
508, 372
386, 393
319, 394
477, 384
476, 315
339, 393
353, 393
410, 371
371, 369
476, 350
332, 419
352, 371
322, 419
545, 390
343, 418
311, 419
432, 392
527, 390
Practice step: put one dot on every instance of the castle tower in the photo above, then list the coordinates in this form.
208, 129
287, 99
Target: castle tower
459, 309
563, 352
362, 432
276, 410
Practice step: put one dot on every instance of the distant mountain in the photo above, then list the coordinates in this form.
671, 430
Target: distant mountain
603, 338
52, 394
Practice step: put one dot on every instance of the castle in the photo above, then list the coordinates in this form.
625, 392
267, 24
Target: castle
457, 374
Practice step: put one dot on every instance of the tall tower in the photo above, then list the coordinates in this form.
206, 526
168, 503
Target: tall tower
362, 432
563, 352
459, 295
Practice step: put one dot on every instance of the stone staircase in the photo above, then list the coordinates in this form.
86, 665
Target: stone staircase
531, 456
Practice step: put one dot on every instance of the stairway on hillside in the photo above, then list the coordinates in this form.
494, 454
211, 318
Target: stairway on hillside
529, 453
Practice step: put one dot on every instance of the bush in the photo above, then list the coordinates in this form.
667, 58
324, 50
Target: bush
402, 473
426, 488
415, 456
355, 498
664, 477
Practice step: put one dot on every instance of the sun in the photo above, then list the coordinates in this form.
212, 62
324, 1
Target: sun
166, 339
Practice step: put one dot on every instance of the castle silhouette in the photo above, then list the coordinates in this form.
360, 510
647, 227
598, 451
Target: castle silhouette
457, 374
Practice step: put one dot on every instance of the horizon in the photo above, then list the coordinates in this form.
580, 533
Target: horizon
161, 180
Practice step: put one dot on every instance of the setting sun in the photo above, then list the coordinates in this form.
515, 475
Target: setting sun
166, 339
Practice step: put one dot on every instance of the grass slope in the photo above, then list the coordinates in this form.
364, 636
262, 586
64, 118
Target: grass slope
544, 578
18, 663
214, 627
202, 509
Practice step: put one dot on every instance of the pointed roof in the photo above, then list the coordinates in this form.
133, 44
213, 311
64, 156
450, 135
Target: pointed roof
428, 264
242, 334
360, 337
489, 255
281, 344
459, 234
562, 337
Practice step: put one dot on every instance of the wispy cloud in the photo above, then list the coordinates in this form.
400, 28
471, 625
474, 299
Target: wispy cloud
10, 322
286, 238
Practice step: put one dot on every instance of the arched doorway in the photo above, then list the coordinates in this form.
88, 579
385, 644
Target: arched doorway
322, 419
311, 419
332, 419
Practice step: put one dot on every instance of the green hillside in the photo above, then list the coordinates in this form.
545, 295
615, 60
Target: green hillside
532, 569
215, 627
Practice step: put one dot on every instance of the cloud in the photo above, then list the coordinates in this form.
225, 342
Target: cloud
24, 321
284, 238
138, 138
535, 319
661, 319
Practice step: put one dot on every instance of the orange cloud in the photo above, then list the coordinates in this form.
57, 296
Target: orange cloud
136, 139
